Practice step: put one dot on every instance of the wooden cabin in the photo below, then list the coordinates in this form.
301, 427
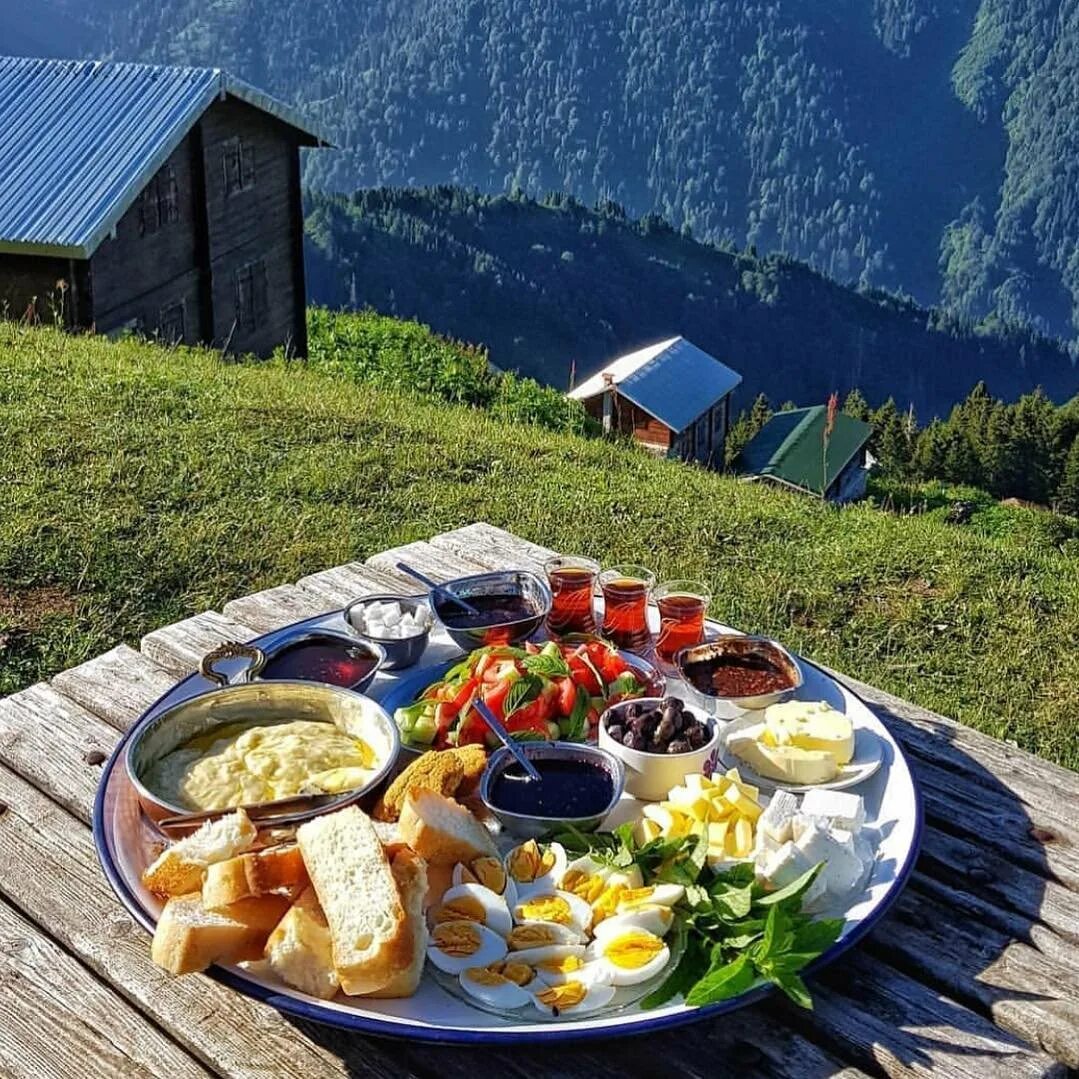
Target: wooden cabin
160, 200
791, 450
671, 397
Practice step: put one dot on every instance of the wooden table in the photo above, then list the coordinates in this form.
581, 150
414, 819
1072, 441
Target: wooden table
974, 973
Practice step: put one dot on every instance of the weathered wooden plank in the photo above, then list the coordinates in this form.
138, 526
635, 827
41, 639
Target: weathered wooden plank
340, 584
117, 686
56, 744
276, 607
1024, 991
883, 1019
494, 547
181, 646
437, 564
59, 885
57, 1019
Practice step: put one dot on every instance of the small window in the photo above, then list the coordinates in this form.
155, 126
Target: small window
149, 214
168, 196
170, 323
251, 294
238, 163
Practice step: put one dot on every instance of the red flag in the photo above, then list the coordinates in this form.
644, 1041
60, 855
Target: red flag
833, 408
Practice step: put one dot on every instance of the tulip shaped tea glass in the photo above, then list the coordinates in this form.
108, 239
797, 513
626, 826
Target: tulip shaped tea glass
625, 601
682, 606
572, 579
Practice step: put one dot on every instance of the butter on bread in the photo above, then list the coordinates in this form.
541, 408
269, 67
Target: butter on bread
188, 937
181, 868
372, 940
441, 831
278, 870
410, 872
300, 949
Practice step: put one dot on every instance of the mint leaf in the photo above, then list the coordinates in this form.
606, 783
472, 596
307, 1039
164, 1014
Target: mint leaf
574, 727
795, 988
723, 982
794, 890
732, 902
817, 936
526, 688
625, 685
546, 665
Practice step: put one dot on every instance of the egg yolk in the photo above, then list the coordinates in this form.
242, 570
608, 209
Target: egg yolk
485, 976
530, 936
528, 862
464, 906
633, 897
458, 939
546, 908
633, 950
563, 996
489, 872
607, 903
564, 964
518, 973
586, 885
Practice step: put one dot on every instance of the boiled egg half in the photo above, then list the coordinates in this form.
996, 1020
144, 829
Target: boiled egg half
473, 903
456, 946
631, 956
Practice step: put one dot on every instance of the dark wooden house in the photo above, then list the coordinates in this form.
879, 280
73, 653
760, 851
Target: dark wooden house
160, 200
671, 397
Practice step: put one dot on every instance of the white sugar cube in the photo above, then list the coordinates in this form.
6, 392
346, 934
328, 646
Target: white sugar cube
776, 819
841, 809
392, 614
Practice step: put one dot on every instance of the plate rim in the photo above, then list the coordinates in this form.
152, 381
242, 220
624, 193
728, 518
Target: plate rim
315, 1011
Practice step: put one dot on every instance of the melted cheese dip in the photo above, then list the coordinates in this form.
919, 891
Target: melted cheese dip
240, 764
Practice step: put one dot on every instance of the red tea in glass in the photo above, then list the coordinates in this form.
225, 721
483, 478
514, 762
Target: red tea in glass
573, 581
682, 606
625, 606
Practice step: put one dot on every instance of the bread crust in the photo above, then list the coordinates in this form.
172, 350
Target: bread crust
410, 873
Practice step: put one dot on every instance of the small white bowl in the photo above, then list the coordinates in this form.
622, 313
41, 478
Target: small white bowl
650, 776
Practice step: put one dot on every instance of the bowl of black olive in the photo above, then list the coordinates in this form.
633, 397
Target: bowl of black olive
660, 740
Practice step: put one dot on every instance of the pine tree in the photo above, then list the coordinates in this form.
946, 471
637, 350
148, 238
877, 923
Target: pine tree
929, 454
857, 406
1068, 492
1001, 471
891, 444
760, 413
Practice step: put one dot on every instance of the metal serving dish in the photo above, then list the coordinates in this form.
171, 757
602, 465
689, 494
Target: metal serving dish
262, 702
533, 827
733, 644
528, 586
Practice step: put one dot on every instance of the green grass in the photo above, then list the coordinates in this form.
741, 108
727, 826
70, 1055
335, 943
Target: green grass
138, 486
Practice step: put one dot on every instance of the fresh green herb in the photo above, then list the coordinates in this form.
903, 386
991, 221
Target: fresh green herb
527, 688
548, 666
574, 727
625, 685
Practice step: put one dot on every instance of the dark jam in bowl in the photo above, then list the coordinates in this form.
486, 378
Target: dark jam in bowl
322, 660
493, 611
566, 789
735, 675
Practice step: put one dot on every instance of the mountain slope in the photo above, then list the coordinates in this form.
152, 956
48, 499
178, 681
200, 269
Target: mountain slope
546, 284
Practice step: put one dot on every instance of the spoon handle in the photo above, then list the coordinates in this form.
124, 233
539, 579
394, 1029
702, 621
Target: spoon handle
508, 740
404, 567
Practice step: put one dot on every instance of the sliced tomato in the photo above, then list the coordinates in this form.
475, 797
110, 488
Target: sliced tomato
494, 696
473, 730
524, 720
483, 663
567, 696
464, 694
582, 675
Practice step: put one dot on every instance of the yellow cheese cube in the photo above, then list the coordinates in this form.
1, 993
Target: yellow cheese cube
717, 833
746, 807
647, 830
697, 783
743, 838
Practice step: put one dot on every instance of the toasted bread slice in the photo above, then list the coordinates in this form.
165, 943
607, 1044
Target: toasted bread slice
300, 949
371, 937
434, 771
189, 937
441, 831
180, 869
277, 870
410, 873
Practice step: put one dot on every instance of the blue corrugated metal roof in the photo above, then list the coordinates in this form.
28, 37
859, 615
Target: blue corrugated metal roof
80, 139
673, 380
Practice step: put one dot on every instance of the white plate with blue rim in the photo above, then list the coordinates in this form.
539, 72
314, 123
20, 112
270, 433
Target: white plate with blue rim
126, 842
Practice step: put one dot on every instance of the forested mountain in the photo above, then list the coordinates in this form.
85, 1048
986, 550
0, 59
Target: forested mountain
926, 145
547, 284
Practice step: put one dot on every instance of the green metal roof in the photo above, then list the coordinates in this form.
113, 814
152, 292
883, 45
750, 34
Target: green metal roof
790, 448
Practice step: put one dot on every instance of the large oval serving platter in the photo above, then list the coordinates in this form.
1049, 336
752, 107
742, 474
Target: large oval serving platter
126, 843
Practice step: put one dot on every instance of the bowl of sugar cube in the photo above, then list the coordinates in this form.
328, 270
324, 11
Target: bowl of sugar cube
401, 624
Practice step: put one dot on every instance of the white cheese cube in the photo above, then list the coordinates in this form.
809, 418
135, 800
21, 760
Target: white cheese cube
842, 810
801, 823
776, 819
785, 866
816, 895
842, 867
764, 844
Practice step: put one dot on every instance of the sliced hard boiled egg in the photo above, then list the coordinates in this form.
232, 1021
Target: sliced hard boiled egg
651, 918
541, 935
493, 986
664, 895
630, 957
573, 968
563, 908
456, 946
488, 871
572, 998
473, 903
548, 954
533, 868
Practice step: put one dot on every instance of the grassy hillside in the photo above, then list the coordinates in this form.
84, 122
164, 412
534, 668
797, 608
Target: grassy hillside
139, 485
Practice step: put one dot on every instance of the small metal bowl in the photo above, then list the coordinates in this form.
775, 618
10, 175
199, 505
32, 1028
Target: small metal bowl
343, 642
262, 702
400, 652
531, 827
529, 586
736, 644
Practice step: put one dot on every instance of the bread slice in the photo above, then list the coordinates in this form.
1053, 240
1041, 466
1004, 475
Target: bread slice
371, 937
435, 770
274, 870
189, 937
410, 873
441, 831
180, 869
300, 949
